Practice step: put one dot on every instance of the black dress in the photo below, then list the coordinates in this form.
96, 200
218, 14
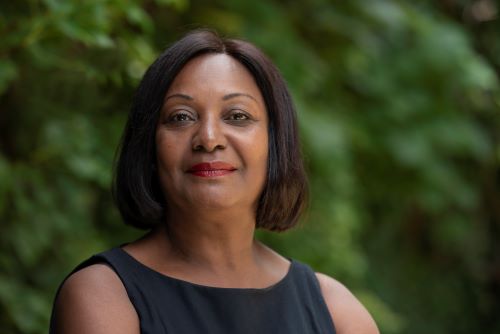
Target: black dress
168, 305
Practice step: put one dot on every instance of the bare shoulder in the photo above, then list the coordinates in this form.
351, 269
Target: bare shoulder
348, 314
94, 300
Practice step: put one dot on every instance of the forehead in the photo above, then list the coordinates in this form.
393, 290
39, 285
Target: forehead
214, 73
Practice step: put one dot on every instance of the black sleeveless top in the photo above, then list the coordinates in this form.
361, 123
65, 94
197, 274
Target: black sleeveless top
167, 305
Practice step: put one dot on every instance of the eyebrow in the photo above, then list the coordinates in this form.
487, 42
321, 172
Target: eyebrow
233, 95
182, 96
224, 98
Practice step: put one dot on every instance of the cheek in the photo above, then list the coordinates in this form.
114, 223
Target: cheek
167, 153
264, 152
260, 152
169, 156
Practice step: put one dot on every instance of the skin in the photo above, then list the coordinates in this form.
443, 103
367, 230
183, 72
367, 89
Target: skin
213, 111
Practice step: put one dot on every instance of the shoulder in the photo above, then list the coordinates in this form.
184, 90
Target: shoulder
94, 300
348, 314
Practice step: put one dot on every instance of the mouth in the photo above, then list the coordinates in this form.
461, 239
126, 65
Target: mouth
211, 169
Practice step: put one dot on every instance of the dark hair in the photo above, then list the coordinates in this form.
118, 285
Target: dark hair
136, 188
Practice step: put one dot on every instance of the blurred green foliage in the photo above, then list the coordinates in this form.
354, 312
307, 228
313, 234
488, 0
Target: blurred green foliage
399, 111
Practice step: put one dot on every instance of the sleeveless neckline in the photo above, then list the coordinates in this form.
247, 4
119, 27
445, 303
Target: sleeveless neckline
164, 304
272, 287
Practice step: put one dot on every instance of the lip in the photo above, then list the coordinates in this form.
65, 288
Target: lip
211, 169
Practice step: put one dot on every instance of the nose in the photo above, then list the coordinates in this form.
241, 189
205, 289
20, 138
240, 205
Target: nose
209, 136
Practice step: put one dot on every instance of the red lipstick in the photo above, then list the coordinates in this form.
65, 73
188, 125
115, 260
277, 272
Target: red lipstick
211, 169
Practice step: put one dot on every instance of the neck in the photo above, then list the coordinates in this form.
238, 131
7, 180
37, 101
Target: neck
218, 241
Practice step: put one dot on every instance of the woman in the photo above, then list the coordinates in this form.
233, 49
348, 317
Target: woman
210, 153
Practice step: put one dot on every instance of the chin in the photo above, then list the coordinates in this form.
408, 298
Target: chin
215, 203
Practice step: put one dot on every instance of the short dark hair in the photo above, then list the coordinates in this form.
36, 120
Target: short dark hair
136, 187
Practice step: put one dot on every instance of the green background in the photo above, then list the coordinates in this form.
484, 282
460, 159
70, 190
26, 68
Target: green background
398, 102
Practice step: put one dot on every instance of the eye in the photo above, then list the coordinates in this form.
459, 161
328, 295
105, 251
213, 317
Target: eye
180, 118
238, 116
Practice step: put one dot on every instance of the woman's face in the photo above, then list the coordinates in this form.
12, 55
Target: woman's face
211, 138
